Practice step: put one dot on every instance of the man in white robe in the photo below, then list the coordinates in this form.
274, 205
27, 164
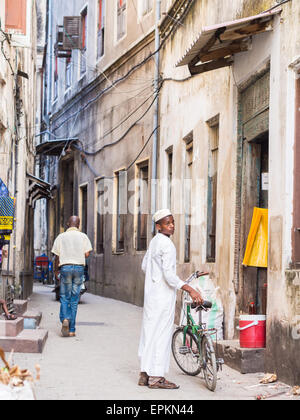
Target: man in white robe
161, 285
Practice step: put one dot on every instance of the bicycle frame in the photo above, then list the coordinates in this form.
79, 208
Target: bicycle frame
199, 330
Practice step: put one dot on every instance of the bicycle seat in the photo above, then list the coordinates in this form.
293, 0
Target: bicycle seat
205, 306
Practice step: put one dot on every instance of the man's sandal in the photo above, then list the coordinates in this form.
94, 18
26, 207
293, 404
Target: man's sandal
162, 383
10, 317
143, 379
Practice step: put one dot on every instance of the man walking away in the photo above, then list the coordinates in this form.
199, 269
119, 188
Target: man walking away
71, 248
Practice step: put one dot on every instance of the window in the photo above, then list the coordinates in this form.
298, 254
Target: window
83, 56
100, 216
212, 188
101, 28
143, 204
121, 18
68, 72
84, 207
170, 177
121, 209
188, 196
15, 16
55, 77
146, 7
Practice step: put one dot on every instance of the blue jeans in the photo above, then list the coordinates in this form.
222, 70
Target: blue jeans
71, 280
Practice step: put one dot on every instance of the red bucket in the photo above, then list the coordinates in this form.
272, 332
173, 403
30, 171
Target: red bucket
252, 331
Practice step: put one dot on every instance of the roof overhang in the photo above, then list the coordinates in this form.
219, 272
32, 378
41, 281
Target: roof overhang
37, 190
54, 147
216, 45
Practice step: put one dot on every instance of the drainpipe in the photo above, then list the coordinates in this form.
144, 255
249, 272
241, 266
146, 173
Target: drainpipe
156, 114
49, 51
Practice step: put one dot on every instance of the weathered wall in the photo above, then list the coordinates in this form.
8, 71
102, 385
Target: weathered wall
104, 121
201, 98
17, 142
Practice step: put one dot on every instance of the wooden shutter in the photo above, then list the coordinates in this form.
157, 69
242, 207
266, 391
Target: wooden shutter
72, 33
15, 16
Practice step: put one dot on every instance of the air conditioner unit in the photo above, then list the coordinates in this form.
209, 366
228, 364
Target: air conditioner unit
59, 49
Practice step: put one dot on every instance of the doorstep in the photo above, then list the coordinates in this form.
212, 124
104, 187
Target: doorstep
28, 341
241, 359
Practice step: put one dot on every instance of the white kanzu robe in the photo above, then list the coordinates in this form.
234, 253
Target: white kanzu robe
161, 283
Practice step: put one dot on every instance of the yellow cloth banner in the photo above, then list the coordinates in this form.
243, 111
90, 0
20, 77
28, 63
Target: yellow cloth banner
256, 254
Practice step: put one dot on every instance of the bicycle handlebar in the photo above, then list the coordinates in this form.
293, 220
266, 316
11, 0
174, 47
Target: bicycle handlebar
196, 275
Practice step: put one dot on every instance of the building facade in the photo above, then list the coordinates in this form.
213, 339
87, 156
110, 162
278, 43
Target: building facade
17, 136
221, 141
232, 74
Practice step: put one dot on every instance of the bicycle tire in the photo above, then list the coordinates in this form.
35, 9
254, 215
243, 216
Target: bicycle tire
189, 362
209, 363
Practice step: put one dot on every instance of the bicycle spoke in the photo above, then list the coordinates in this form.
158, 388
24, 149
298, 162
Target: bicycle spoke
186, 356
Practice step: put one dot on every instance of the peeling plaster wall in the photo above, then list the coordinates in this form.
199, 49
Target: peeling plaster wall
13, 167
198, 99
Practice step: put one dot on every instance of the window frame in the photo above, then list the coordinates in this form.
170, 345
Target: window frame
101, 24
212, 188
119, 224
99, 217
84, 42
142, 218
121, 10
189, 156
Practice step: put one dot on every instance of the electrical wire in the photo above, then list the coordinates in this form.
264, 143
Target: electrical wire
133, 69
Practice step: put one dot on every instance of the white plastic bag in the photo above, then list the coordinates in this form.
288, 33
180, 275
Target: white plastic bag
214, 317
21, 393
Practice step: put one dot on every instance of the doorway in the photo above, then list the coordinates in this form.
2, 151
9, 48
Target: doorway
255, 184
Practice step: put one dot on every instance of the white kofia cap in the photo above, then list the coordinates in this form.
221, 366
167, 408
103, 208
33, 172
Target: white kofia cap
161, 214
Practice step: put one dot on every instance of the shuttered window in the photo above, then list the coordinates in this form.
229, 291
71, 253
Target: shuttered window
121, 18
101, 28
212, 188
15, 16
72, 34
143, 203
83, 58
188, 196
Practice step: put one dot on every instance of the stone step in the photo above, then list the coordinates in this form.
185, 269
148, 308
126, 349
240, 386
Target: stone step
11, 328
20, 306
28, 341
33, 315
241, 359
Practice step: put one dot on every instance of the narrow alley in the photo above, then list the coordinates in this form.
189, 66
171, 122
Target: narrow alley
101, 363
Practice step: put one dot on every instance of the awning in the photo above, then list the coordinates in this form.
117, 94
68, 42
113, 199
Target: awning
37, 189
54, 147
215, 46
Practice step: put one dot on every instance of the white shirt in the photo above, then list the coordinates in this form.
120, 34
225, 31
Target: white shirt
71, 247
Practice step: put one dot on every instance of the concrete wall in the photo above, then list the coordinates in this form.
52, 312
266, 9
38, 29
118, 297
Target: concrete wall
17, 143
99, 124
197, 100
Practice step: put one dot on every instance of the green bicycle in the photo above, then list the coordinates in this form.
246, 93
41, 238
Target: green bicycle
192, 345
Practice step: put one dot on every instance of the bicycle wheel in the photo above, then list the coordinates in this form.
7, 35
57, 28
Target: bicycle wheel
186, 356
209, 363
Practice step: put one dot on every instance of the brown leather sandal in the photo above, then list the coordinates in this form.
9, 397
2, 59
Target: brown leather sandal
10, 317
162, 383
143, 379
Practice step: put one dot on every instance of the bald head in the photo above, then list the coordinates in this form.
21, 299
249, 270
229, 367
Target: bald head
74, 221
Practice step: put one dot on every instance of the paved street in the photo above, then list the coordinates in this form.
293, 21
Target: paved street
101, 362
